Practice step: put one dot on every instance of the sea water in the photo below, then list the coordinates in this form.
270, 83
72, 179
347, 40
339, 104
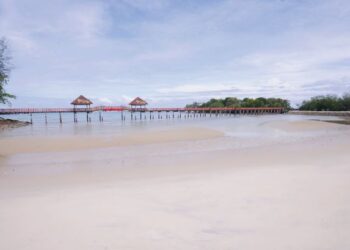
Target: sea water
240, 132
238, 126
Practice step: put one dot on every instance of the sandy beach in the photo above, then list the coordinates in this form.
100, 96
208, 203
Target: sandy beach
179, 188
17, 145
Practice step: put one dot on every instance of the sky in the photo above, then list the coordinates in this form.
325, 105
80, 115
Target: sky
173, 52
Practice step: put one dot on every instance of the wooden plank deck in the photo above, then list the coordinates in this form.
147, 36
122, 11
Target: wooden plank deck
11, 111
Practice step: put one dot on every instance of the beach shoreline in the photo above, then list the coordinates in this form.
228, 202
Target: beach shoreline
16, 145
180, 191
320, 113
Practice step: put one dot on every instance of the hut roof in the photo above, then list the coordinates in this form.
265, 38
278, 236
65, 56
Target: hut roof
138, 102
81, 100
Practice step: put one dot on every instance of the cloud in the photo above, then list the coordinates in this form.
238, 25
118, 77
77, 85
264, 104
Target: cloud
338, 86
177, 50
147, 5
84, 22
105, 100
197, 88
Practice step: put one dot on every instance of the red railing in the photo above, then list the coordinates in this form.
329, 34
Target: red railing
123, 108
209, 109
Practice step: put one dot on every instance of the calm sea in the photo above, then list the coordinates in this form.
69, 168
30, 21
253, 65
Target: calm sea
244, 126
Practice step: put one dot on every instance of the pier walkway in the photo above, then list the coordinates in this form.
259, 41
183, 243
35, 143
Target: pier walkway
187, 112
12, 111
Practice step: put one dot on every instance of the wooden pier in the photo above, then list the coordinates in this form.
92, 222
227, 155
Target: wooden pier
145, 113
138, 110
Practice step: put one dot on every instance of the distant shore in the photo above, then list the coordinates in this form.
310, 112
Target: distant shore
326, 113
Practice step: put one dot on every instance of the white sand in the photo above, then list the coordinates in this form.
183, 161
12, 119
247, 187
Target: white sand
290, 196
306, 125
17, 145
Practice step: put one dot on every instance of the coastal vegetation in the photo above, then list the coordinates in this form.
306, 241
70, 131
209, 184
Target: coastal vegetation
327, 103
4, 72
233, 102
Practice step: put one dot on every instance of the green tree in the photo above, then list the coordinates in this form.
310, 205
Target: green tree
327, 103
232, 102
193, 105
248, 102
346, 101
4, 72
278, 102
261, 102
214, 103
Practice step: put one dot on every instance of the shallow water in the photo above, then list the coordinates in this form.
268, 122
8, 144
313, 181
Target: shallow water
231, 125
237, 126
240, 132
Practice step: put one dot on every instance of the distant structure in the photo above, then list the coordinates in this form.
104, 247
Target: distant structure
138, 103
81, 101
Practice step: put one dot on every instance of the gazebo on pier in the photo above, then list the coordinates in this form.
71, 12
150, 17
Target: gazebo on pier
81, 101
138, 104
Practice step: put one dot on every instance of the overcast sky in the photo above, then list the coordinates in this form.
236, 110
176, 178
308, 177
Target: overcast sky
172, 52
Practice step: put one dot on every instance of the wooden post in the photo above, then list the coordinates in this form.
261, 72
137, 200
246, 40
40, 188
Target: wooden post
31, 118
60, 117
45, 118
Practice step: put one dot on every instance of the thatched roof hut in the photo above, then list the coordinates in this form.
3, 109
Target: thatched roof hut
81, 100
138, 102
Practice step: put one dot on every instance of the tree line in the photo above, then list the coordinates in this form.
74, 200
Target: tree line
233, 102
327, 103
4, 72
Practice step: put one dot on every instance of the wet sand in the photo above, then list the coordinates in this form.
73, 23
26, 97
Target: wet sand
306, 125
146, 195
11, 124
17, 145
